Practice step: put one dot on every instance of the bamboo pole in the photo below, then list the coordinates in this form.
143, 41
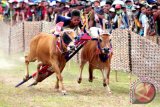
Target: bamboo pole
33, 17
11, 15
17, 18
116, 75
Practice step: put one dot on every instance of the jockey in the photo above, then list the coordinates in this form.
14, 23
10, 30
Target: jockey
73, 23
87, 16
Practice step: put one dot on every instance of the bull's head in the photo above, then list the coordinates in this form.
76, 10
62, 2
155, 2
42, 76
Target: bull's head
71, 33
105, 44
68, 36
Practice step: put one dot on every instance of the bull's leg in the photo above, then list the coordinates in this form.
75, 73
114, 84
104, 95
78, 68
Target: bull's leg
107, 79
27, 69
59, 76
28, 59
104, 77
81, 69
37, 74
39, 66
90, 73
57, 82
105, 74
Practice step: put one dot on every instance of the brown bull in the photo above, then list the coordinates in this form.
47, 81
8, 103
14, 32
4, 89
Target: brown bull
90, 53
44, 49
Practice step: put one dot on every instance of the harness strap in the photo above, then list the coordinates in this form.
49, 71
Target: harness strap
99, 47
61, 45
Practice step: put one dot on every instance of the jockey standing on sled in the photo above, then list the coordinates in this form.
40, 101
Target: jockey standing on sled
71, 23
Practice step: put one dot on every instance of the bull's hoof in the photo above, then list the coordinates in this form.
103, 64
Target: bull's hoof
56, 88
110, 92
26, 78
90, 80
104, 84
79, 80
64, 92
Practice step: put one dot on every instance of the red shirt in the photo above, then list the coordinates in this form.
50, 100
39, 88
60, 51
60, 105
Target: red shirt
1, 9
30, 12
44, 12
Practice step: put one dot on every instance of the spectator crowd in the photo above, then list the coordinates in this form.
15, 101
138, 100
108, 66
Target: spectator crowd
140, 16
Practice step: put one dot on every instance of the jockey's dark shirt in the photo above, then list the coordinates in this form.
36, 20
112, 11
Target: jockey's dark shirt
66, 20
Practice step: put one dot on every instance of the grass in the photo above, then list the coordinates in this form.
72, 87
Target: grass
43, 95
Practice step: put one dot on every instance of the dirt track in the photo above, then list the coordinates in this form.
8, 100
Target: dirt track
43, 95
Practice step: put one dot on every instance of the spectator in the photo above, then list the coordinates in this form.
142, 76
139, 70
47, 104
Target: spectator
120, 20
98, 14
20, 11
50, 13
1, 12
143, 20
151, 31
43, 9
112, 14
11, 11
31, 12
129, 6
106, 9
90, 14
156, 15
136, 25
72, 22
